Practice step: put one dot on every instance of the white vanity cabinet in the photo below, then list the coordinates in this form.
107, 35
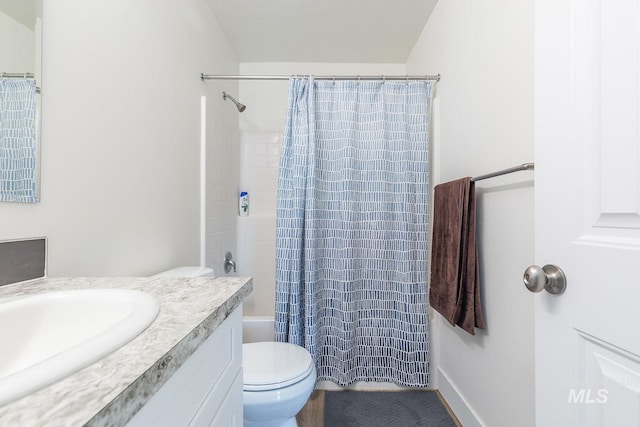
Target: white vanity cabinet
207, 389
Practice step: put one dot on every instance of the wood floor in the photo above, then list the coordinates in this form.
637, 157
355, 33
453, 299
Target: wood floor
312, 415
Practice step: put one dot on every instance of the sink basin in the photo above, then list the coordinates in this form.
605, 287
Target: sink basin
45, 337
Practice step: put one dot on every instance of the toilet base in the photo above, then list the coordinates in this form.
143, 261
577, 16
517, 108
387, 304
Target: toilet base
279, 407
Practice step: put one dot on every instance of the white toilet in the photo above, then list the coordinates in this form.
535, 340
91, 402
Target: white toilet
278, 380
278, 377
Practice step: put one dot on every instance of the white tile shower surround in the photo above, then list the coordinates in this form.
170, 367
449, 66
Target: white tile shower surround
109, 391
260, 157
256, 257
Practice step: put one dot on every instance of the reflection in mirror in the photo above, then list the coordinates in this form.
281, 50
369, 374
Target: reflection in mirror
20, 45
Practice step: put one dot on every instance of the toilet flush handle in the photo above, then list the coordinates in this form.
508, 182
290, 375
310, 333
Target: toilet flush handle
229, 263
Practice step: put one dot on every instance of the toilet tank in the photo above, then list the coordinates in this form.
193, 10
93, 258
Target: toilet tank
187, 272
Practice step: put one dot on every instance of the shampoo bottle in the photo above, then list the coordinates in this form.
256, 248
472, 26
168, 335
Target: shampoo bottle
243, 204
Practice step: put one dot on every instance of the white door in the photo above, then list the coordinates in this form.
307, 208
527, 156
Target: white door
587, 197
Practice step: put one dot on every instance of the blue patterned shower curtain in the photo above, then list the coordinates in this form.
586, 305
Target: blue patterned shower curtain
18, 150
352, 229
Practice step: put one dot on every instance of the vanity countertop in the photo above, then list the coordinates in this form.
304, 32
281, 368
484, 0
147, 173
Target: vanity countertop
111, 390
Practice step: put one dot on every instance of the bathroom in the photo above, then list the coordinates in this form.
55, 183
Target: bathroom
120, 154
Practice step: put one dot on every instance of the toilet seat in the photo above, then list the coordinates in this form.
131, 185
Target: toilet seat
274, 365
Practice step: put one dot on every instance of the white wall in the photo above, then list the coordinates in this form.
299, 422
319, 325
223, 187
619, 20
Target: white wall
17, 46
261, 128
121, 135
484, 51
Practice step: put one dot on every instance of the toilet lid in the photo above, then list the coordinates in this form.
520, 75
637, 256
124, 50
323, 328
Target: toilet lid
273, 365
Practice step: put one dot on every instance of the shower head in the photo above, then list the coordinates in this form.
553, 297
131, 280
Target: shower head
239, 106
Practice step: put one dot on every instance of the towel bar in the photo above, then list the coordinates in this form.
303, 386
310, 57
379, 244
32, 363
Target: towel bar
522, 167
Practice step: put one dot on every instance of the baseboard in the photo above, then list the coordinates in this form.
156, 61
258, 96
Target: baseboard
449, 410
457, 402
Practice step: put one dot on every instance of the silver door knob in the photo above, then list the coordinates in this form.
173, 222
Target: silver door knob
550, 278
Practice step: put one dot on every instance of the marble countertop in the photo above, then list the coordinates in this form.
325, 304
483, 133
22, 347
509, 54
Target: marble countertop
110, 391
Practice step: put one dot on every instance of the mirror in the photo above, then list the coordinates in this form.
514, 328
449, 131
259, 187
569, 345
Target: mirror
20, 69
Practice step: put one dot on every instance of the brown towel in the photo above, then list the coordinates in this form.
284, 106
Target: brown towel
455, 288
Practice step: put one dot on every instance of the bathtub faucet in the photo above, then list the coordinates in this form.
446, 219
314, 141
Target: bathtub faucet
229, 263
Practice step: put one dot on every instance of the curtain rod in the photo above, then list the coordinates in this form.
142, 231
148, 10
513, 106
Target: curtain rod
522, 167
16, 76
435, 77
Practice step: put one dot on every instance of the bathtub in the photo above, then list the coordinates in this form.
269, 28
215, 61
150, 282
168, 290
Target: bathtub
257, 328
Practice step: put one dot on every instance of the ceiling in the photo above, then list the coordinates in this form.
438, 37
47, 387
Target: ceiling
347, 31
23, 11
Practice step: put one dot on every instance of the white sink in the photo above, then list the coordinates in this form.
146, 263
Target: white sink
45, 337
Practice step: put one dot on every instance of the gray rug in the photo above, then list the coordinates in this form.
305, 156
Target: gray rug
385, 409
